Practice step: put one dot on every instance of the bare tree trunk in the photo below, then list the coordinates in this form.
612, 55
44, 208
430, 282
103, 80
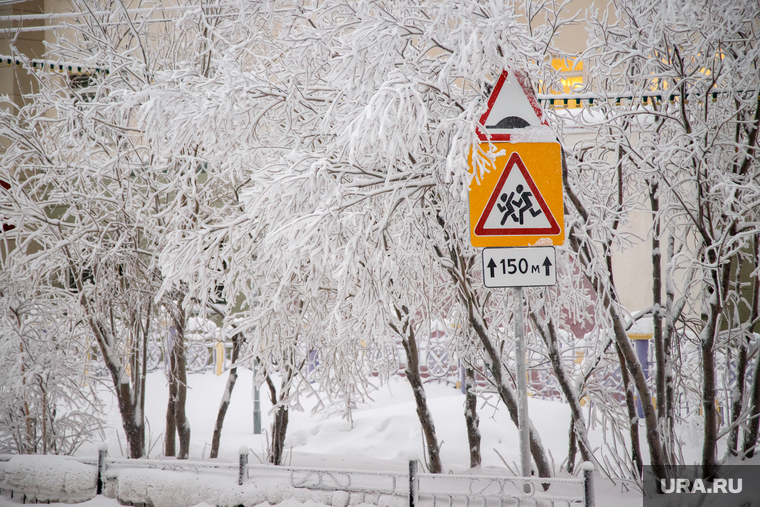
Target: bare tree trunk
180, 416
605, 291
29, 448
128, 395
225, 403
660, 353
633, 418
170, 432
737, 397
44, 417
710, 419
508, 396
630, 362
572, 446
549, 336
176, 418
716, 292
281, 416
471, 417
672, 314
279, 430
133, 423
737, 393
134, 429
409, 342
751, 433
144, 364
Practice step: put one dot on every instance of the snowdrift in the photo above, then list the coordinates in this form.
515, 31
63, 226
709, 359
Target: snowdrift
65, 480
48, 479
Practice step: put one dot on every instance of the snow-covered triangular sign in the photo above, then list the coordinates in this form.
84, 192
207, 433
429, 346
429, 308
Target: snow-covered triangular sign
512, 106
516, 207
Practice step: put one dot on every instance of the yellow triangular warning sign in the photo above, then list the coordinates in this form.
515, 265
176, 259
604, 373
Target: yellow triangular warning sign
516, 206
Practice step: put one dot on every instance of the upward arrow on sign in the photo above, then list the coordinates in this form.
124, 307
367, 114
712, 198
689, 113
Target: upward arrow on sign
547, 264
492, 266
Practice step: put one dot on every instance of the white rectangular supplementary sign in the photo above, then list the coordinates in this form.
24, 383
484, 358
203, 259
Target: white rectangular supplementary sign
519, 267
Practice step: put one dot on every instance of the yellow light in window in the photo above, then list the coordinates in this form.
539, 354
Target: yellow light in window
568, 65
571, 84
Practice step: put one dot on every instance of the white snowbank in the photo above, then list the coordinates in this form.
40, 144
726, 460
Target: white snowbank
96, 501
49, 478
644, 325
185, 489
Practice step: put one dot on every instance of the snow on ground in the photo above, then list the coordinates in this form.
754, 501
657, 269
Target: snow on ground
384, 435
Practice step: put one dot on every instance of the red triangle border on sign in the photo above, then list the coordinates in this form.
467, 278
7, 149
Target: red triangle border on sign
483, 134
552, 230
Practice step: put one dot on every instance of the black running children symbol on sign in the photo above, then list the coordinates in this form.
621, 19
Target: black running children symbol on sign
516, 206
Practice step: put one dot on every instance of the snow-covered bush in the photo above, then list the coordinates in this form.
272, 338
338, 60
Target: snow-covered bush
47, 401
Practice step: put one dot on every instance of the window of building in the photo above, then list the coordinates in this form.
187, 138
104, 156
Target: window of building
80, 85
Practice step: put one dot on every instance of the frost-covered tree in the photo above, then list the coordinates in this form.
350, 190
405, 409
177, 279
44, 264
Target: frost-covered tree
353, 123
47, 402
307, 163
684, 136
90, 203
71, 201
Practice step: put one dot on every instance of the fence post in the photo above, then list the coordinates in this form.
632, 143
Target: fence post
102, 453
243, 464
588, 484
256, 404
414, 484
462, 377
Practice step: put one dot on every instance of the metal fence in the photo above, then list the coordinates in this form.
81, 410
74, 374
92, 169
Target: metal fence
417, 488
412, 487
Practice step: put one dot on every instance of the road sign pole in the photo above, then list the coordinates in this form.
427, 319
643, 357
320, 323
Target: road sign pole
522, 385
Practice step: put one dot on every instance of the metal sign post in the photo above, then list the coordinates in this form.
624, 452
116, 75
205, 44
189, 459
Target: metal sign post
520, 267
522, 386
